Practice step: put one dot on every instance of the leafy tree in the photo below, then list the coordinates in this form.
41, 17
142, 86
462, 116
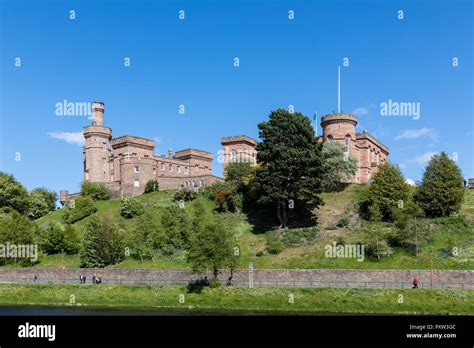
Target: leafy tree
290, 164
12, 193
212, 247
387, 190
49, 196
242, 174
413, 228
144, 238
131, 207
152, 186
441, 190
227, 198
37, 205
175, 224
337, 166
55, 238
97, 191
82, 207
375, 236
102, 244
16, 229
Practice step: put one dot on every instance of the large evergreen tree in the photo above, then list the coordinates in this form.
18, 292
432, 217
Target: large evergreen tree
441, 191
290, 164
338, 167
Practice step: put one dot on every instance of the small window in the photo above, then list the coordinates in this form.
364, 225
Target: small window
178, 169
154, 171
170, 167
186, 170
136, 183
162, 166
234, 155
136, 169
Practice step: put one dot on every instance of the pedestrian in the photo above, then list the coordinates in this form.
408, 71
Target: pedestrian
415, 282
93, 279
35, 279
84, 279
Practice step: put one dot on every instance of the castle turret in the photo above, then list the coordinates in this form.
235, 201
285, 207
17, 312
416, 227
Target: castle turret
97, 147
340, 127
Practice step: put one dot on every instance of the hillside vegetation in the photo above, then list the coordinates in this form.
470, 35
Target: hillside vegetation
337, 220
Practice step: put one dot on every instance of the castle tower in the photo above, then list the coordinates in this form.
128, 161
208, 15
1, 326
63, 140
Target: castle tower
239, 148
96, 149
340, 127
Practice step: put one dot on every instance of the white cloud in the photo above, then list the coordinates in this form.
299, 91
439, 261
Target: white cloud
410, 182
69, 137
360, 111
417, 133
422, 159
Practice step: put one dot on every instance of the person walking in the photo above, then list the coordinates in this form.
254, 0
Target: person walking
35, 279
415, 282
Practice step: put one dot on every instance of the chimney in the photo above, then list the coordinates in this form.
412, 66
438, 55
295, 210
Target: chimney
170, 153
98, 113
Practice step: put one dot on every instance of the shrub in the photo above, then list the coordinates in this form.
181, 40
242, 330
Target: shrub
55, 238
16, 229
97, 191
151, 186
274, 244
130, 207
300, 236
81, 208
343, 222
185, 195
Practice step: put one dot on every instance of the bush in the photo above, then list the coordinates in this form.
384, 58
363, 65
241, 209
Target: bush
151, 186
130, 207
12, 193
343, 222
16, 229
81, 208
301, 236
55, 238
97, 191
184, 195
274, 244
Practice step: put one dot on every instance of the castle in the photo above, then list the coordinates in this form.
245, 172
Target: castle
126, 163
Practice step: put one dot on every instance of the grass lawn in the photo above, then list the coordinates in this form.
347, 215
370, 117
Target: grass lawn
306, 301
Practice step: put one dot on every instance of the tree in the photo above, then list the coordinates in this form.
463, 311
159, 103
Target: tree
102, 244
337, 166
184, 195
97, 191
12, 193
290, 164
387, 190
50, 197
16, 229
55, 238
441, 190
212, 246
375, 236
152, 186
240, 173
37, 205
414, 230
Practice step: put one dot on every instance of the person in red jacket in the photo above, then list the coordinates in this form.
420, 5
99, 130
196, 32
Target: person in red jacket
415, 282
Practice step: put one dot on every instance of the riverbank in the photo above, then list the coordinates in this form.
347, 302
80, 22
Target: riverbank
243, 300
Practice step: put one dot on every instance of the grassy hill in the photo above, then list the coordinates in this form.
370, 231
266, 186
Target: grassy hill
304, 248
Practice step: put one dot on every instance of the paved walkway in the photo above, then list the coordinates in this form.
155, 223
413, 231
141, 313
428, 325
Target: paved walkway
260, 277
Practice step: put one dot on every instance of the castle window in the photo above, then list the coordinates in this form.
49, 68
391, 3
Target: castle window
162, 166
234, 155
186, 170
330, 137
200, 183
170, 167
178, 169
154, 171
136, 169
346, 143
136, 183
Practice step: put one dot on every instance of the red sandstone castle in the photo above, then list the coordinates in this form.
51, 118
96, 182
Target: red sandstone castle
126, 163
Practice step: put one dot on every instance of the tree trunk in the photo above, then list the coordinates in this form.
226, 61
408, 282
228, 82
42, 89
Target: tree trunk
282, 213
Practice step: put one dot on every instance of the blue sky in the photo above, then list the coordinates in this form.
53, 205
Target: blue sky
190, 62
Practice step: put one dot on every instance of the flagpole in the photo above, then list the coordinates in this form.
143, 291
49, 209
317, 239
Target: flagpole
339, 89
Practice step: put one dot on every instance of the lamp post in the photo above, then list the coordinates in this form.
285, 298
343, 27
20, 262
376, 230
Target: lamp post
62, 265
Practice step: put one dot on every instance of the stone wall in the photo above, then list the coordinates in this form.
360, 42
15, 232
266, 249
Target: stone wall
262, 277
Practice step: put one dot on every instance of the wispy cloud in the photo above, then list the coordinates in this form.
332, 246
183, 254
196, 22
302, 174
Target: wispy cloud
417, 133
410, 182
422, 159
360, 111
69, 137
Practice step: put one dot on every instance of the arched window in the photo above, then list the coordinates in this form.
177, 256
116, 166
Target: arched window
234, 155
330, 137
346, 143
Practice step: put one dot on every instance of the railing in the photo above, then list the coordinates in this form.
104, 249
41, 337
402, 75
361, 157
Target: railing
256, 283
